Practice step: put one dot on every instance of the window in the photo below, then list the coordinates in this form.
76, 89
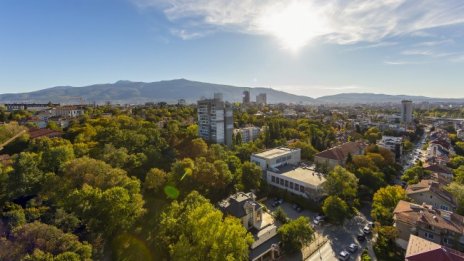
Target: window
444, 207
428, 235
286, 183
281, 182
297, 187
291, 185
273, 179
446, 240
430, 196
301, 189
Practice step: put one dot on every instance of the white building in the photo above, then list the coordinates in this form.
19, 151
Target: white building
406, 111
394, 144
215, 120
301, 181
248, 133
276, 157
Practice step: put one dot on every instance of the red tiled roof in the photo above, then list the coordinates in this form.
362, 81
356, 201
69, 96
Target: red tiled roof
439, 169
37, 133
341, 152
420, 249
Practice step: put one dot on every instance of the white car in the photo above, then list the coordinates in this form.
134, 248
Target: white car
367, 229
344, 255
352, 247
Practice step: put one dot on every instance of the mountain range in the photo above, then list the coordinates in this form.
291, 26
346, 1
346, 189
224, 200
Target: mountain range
128, 92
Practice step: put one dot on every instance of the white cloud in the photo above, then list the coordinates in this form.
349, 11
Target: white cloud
401, 62
427, 52
436, 43
336, 21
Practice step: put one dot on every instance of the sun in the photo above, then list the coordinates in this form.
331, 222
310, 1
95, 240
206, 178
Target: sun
293, 23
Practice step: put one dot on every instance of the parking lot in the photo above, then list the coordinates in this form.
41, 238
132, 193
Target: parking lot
339, 237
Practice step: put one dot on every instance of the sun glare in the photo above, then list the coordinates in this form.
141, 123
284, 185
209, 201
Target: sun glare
294, 24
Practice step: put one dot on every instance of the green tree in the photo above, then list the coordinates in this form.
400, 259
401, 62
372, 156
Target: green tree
459, 175
252, 176
342, 183
296, 234
335, 209
13, 215
415, 174
457, 190
27, 177
280, 215
384, 202
193, 229
155, 180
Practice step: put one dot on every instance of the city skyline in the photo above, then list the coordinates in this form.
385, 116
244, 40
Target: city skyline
306, 47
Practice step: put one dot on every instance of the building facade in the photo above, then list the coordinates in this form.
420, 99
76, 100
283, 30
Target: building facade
261, 99
248, 134
246, 97
215, 120
406, 111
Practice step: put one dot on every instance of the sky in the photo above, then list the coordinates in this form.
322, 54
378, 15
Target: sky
311, 47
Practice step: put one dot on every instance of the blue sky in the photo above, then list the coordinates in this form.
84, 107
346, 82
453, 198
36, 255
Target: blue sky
311, 47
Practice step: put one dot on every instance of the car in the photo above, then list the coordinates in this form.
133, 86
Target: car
367, 229
297, 208
318, 222
361, 237
344, 255
352, 247
320, 218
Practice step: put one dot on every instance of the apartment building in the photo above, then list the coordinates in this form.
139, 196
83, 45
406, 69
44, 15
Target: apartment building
429, 192
248, 134
394, 144
215, 120
276, 157
337, 155
439, 226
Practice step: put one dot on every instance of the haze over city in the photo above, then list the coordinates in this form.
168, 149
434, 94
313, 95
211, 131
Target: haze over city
311, 48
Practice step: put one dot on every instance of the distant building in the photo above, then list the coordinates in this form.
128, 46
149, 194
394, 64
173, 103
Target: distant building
394, 144
420, 249
29, 106
258, 221
406, 112
261, 99
439, 226
215, 120
246, 97
276, 157
248, 134
181, 102
69, 111
338, 155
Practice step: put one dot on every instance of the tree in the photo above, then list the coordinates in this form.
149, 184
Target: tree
415, 174
198, 148
34, 240
193, 229
155, 180
252, 176
280, 215
384, 202
335, 209
456, 161
27, 177
373, 135
459, 175
13, 215
342, 183
296, 234
457, 190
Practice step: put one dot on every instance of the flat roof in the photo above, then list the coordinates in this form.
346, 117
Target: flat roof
302, 174
274, 153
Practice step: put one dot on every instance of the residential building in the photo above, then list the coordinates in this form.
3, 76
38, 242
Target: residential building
181, 102
441, 170
246, 97
406, 111
429, 192
248, 134
276, 157
420, 249
298, 180
394, 144
215, 120
255, 219
261, 99
439, 226
339, 154
35, 133
29, 106
69, 111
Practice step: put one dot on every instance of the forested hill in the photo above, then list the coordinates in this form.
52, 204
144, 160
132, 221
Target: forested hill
128, 92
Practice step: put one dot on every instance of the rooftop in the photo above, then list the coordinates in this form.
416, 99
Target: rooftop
426, 185
274, 153
340, 152
423, 250
304, 174
414, 214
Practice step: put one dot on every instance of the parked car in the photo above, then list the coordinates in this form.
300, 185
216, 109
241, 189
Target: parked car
353, 247
277, 202
367, 229
297, 208
361, 237
344, 255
